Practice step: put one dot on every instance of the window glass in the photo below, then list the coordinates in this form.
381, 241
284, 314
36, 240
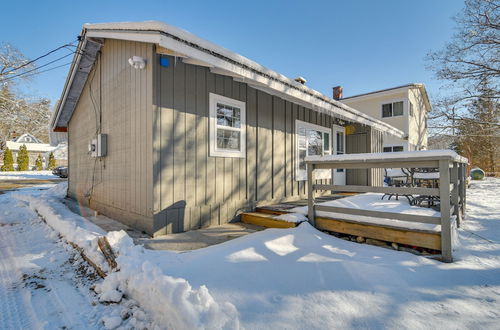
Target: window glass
227, 139
228, 116
302, 159
340, 143
411, 109
397, 148
387, 110
302, 137
326, 143
397, 108
315, 143
387, 149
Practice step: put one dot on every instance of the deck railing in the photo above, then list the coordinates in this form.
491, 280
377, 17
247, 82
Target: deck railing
451, 191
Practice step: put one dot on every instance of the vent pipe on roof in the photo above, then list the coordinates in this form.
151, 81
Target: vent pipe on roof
301, 80
337, 92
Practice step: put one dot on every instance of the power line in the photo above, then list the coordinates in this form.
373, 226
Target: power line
40, 57
35, 69
50, 69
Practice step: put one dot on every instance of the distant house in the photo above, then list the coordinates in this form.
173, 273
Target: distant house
405, 107
168, 132
34, 146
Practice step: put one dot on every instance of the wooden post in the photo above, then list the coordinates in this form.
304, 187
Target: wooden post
454, 194
444, 196
464, 206
310, 193
461, 189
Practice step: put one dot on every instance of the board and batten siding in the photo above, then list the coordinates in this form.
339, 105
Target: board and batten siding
192, 189
364, 139
119, 185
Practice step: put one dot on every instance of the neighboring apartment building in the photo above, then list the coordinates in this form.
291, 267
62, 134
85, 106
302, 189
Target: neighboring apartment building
404, 107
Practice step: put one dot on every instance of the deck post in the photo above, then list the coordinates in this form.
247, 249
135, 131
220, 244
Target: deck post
310, 194
464, 196
444, 197
461, 189
454, 193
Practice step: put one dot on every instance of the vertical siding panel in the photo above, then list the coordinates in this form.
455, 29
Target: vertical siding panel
211, 171
149, 129
167, 141
202, 139
279, 143
191, 175
264, 146
288, 150
241, 162
251, 144
156, 109
215, 162
179, 141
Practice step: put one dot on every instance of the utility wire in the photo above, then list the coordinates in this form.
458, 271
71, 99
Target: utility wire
26, 73
40, 57
49, 69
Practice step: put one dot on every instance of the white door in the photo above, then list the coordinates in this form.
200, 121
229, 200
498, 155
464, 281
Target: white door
338, 133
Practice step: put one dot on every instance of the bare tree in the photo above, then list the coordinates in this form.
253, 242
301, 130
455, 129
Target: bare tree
13, 62
18, 113
472, 57
469, 66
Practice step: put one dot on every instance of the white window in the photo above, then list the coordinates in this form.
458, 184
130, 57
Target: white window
227, 127
312, 140
393, 149
392, 109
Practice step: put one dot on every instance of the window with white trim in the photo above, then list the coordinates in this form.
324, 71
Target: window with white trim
393, 149
227, 127
392, 109
312, 140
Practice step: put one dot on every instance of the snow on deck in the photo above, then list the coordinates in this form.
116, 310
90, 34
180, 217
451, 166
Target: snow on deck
408, 155
374, 202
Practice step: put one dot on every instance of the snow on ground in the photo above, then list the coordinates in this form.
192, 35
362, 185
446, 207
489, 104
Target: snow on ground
27, 175
292, 278
44, 284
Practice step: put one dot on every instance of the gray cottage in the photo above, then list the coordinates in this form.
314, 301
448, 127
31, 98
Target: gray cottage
168, 132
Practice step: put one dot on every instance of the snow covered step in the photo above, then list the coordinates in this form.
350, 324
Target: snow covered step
267, 220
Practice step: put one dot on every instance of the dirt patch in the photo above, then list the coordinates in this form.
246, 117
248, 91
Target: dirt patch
6, 185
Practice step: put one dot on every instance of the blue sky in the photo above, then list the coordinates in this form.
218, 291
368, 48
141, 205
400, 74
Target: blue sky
362, 45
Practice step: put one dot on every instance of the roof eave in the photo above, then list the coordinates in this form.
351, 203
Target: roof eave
240, 67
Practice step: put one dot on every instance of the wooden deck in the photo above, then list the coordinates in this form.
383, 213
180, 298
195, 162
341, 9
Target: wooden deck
264, 216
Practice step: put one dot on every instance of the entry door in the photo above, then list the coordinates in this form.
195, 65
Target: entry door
338, 133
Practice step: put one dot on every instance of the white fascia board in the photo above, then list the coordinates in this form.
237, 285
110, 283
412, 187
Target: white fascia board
311, 97
67, 84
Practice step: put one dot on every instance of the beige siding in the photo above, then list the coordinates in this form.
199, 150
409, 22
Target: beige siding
120, 183
194, 190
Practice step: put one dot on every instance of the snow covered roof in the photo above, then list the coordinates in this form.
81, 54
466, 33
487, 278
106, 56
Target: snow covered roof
197, 50
33, 147
27, 138
385, 156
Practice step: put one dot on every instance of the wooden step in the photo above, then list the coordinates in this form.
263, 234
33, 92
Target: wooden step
265, 220
267, 210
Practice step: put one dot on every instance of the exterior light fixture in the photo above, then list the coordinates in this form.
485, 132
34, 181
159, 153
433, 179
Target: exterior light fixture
137, 62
